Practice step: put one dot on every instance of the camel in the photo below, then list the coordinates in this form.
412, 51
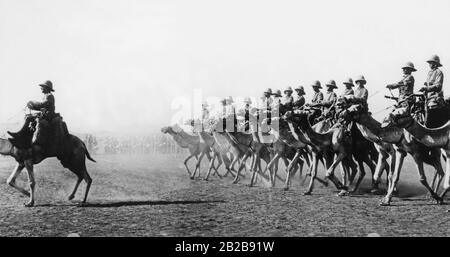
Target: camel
326, 144
435, 138
71, 153
402, 143
193, 143
286, 147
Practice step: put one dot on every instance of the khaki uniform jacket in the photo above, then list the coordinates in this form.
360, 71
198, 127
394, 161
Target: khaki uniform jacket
348, 92
405, 87
435, 80
317, 98
299, 101
362, 94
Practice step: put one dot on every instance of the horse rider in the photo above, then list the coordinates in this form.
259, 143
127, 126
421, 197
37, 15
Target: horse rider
329, 99
405, 86
436, 112
315, 101
348, 83
288, 100
299, 99
46, 113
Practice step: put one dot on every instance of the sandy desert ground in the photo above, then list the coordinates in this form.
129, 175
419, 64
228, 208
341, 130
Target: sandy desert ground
152, 196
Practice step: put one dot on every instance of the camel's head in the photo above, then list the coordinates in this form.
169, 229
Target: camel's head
399, 117
165, 130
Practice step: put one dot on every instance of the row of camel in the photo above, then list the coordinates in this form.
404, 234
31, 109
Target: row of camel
355, 139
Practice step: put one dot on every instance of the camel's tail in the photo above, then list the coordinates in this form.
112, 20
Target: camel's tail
89, 156
87, 153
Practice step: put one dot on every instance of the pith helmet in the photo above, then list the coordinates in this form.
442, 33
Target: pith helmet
331, 83
435, 59
360, 78
47, 84
277, 93
229, 99
268, 91
247, 100
409, 65
300, 89
348, 81
288, 89
316, 83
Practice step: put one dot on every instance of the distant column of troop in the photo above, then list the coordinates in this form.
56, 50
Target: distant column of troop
322, 104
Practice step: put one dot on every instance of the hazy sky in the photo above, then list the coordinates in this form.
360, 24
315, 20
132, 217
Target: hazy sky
117, 65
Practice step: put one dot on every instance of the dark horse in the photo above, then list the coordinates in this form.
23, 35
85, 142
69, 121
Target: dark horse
69, 149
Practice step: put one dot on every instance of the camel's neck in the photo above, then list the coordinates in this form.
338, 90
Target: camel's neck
372, 130
438, 137
6, 148
316, 138
178, 139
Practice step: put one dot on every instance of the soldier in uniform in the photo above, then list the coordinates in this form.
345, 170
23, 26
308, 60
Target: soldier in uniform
288, 99
329, 99
436, 112
361, 94
46, 113
315, 101
299, 100
348, 87
266, 105
405, 86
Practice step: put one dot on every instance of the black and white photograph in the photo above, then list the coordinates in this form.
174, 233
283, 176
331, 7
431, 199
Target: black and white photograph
242, 120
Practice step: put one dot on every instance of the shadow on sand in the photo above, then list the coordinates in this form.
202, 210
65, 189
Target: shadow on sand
140, 203
113, 204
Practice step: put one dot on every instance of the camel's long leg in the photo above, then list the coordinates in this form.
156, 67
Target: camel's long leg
197, 165
380, 167
31, 183
211, 164
315, 162
88, 181
74, 191
186, 161
447, 175
394, 176
423, 179
330, 172
289, 170
439, 173
12, 179
241, 166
